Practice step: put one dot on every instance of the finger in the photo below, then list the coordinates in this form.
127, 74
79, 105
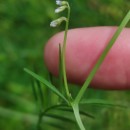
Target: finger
84, 46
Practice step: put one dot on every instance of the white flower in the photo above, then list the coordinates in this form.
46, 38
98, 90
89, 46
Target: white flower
58, 21
60, 3
62, 6
60, 9
53, 23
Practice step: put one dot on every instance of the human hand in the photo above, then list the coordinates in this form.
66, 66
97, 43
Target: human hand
84, 47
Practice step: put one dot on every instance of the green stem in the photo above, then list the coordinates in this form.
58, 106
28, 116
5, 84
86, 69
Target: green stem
60, 70
102, 57
77, 116
63, 55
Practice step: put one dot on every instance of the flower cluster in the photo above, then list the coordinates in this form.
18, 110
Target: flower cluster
62, 6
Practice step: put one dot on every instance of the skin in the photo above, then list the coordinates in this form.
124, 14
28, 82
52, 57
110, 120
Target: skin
84, 46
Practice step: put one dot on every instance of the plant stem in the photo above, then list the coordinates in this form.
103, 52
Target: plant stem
77, 116
74, 106
63, 55
102, 57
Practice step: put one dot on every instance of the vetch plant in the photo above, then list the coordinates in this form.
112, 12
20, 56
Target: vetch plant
66, 97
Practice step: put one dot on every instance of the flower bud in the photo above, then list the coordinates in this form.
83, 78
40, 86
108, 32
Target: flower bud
60, 9
58, 21
60, 3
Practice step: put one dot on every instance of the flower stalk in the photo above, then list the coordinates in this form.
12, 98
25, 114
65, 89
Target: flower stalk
65, 5
63, 56
62, 6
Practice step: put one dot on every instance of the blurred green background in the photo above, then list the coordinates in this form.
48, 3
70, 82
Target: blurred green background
24, 30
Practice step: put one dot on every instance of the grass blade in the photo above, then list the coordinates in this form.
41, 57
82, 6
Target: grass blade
60, 71
40, 93
56, 125
68, 109
45, 82
34, 90
61, 118
102, 102
102, 57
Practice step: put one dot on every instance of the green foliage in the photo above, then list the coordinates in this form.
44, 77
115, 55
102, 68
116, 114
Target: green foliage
24, 30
